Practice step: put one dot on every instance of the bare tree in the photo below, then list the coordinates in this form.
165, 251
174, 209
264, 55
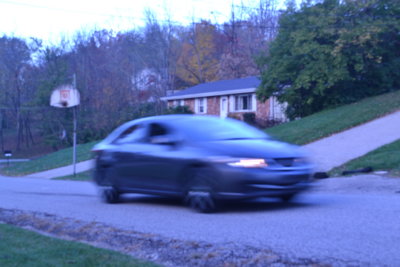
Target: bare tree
248, 33
15, 56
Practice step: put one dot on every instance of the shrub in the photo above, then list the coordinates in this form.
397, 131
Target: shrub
234, 116
249, 118
179, 110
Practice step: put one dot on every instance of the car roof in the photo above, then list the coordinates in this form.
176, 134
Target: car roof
174, 117
161, 119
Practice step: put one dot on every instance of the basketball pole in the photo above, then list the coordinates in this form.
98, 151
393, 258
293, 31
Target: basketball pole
74, 141
74, 131
67, 96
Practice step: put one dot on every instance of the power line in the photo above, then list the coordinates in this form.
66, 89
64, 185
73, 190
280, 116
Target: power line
121, 16
83, 11
97, 13
238, 24
62, 9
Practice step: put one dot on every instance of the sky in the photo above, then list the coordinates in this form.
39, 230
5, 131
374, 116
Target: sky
51, 20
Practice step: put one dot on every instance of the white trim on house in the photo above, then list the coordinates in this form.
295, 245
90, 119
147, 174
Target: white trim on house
277, 109
179, 102
254, 102
238, 107
223, 106
216, 93
231, 103
200, 105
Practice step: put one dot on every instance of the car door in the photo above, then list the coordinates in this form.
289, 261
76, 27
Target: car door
160, 160
125, 156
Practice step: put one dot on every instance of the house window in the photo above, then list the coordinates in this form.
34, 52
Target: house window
180, 102
243, 102
201, 104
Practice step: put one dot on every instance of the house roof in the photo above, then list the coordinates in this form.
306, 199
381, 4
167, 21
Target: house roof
224, 87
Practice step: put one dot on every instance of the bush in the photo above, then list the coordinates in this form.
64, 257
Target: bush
249, 118
234, 116
179, 110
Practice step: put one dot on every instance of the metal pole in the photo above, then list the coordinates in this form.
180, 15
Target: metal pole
74, 145
74, 131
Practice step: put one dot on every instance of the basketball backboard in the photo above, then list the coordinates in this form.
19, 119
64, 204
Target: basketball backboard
65, 96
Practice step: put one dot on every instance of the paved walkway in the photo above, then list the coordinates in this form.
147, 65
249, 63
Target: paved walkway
64, 171
340, 148
326, 153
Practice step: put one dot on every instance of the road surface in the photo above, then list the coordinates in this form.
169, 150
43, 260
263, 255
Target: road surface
343, 220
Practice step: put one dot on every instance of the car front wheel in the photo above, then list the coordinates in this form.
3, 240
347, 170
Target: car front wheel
199, 191
110, 195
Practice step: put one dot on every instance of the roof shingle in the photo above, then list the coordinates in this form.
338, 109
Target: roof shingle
219, 87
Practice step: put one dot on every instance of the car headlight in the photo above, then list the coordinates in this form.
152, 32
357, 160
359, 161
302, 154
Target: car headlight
249, 163
243, 162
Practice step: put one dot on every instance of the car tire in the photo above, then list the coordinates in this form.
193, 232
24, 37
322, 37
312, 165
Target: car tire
110, 195
199, 193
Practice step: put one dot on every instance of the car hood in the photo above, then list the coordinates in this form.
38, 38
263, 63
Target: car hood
253, 148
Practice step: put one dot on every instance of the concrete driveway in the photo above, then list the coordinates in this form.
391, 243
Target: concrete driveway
340, 148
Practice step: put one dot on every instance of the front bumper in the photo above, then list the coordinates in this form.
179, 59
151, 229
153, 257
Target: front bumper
265, 190
242, 183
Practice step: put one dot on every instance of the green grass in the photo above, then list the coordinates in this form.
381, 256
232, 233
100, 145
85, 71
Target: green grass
384, 158
20, 247
82, 176
57, 159
331, 121
299, 132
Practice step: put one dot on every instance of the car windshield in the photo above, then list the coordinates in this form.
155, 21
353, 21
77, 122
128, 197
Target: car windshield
212, 129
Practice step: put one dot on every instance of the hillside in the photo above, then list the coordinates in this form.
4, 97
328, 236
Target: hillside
328, 122
299, 132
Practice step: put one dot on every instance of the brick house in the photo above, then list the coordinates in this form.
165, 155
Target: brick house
230, 98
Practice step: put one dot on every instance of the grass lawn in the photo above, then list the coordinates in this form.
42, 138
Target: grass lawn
82, 176
384, 158
19, 247
331, 121
299, 132
57, 159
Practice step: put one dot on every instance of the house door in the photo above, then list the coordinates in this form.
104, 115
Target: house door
223, 112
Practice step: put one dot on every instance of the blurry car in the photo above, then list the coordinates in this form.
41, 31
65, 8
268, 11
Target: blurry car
201, 159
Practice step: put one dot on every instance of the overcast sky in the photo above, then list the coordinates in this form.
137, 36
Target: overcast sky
50, 19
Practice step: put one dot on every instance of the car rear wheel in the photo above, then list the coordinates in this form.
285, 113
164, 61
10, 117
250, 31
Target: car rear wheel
110, 195
199, 191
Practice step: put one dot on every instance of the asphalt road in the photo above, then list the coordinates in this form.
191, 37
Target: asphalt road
337, 222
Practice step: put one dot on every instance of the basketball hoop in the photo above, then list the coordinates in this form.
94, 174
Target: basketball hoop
65, 96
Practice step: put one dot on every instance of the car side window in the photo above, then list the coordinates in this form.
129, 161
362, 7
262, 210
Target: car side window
135, 133
157, 130
158, 134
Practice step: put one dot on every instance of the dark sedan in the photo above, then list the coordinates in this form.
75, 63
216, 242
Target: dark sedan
201, 159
